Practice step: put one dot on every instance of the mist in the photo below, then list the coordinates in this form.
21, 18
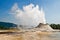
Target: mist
30, 14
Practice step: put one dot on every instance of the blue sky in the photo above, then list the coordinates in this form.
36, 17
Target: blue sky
51, 9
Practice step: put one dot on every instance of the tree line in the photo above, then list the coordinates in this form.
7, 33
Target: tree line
55, 26
7, 25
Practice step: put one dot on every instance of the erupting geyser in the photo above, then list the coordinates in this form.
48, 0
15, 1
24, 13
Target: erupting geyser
30, 15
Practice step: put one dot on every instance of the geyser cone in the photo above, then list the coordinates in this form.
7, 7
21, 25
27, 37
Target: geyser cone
45, 27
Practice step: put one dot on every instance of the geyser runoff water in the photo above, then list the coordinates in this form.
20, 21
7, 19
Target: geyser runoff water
30, 14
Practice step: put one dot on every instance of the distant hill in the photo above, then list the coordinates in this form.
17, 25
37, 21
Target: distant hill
7, 25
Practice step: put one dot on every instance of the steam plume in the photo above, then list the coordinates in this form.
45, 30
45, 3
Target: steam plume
29, 15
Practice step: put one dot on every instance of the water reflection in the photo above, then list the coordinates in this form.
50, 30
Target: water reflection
41, 36
52, 36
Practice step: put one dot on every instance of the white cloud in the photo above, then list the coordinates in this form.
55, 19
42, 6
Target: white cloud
30, 15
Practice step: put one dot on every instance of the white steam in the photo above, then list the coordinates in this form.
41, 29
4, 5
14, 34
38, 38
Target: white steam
29, 15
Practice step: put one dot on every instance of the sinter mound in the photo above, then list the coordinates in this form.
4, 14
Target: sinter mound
45, 27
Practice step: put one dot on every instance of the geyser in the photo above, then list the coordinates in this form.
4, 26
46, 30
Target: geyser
30, 16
